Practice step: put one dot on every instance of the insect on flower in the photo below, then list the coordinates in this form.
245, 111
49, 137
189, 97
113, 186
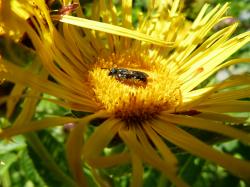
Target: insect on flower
122, 74
152, 90
66, 9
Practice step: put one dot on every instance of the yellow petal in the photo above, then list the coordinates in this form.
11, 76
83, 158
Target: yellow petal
101, 137
98, 178
191, 144
161, 145
206, 124
74, 147
112, 29
15, 95
73, 150
29, 109
19, 75
225, 96
134, 146
222, 117
137, 171
228, 106
203, 95
210, 61
127, 13
109, 161
36, 125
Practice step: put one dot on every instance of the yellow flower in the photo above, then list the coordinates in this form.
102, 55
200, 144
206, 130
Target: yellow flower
142, 80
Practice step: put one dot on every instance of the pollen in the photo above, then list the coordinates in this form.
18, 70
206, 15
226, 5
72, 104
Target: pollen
131, 99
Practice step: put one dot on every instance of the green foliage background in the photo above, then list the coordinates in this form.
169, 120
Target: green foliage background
38, 159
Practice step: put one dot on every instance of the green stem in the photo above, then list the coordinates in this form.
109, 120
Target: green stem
5, 179
49, 162
162, 181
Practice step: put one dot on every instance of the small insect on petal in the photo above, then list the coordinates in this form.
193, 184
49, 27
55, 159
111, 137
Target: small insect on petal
199, 70
67, 9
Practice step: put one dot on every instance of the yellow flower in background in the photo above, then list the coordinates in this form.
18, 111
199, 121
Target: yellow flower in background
142, 80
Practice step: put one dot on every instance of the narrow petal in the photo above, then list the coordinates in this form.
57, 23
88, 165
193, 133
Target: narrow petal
191, 144
201, 14
98, 178
137, 171
194, 60
217, 57
29, 109
197, 35
175, 7
64, 104
229, 106
109, 161
112, 29
162, 147
84, 50
194, 94
147, 146
206, 124
104, 13
222, 117
69, 32
74, 147
36, 125
126, 22
101, 137
200, 96
16, 93
228, 95
134, 146
18, 75
71, 105
127, 13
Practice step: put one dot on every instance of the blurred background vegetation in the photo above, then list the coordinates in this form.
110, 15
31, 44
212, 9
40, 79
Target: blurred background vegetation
38, 159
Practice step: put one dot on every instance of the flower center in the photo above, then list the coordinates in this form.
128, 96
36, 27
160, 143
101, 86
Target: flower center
133, 87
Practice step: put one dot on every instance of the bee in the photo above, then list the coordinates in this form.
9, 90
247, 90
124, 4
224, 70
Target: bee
128, 76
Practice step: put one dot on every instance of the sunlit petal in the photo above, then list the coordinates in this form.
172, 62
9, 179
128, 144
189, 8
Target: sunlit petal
74, 147
193, 145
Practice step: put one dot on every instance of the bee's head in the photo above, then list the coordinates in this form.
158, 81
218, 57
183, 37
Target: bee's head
113, 71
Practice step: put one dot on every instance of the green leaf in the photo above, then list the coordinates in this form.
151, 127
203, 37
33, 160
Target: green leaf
30, 172
16, 143
49, 159
191, 169
5, 162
